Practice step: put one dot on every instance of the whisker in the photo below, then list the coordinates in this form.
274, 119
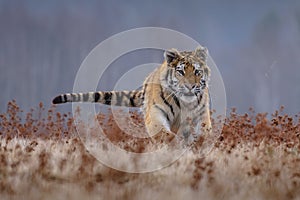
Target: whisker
174, 92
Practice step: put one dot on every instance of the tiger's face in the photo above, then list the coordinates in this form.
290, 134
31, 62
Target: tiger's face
188, 73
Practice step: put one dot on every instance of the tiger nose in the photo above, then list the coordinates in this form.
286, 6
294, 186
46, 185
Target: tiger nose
190, 86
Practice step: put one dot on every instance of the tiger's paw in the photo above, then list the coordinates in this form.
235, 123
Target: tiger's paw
206, 128
164, 137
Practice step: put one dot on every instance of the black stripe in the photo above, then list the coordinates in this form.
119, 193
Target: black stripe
165, 101
65, 98
181, 72
96, 96
140, 95
128, 96
138, 99
74, 97
164, 112
144, 92
171, 74
132, 99
202, 112
201, 108
85, 96
57, 100
199, 99
107, 98
132, 102
176, 100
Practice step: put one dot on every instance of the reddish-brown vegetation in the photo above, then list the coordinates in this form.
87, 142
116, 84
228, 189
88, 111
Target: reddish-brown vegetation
42, 157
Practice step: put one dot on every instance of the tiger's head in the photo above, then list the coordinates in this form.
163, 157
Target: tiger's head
188, 73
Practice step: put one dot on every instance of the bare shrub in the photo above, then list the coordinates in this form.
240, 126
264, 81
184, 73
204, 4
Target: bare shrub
42, 157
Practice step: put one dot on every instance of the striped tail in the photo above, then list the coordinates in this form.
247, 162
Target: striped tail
115, 98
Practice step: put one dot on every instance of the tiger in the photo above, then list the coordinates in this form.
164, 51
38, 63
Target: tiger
174, 98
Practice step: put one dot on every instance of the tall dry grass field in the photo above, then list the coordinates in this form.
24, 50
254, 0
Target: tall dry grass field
42, 157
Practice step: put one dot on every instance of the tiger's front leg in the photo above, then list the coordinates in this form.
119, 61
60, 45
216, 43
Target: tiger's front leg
192, 129
206, 126
158, 125
189, 129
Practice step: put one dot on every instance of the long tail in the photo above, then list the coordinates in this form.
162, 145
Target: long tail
116, 98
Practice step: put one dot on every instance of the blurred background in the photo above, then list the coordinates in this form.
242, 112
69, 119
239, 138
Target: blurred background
255, 44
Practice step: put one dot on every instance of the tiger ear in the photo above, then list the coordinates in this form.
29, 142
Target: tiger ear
202, 53
171, 54
207, 71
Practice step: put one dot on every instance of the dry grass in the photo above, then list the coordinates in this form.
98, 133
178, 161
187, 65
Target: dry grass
42, 157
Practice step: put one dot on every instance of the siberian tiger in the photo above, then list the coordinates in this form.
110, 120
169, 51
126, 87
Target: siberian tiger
174, 98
